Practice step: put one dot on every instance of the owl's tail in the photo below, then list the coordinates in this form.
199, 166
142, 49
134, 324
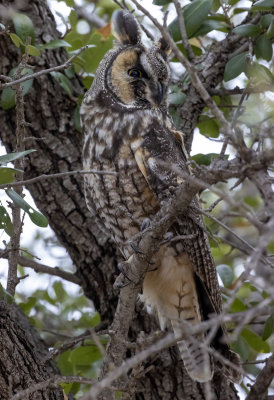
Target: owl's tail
196, 358
171, 290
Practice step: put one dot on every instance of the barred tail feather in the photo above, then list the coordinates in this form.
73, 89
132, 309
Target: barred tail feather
196, 359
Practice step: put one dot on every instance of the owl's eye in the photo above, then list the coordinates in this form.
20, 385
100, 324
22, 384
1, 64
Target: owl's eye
135, 73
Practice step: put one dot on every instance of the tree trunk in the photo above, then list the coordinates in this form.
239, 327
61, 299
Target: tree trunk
21, 356
50, 111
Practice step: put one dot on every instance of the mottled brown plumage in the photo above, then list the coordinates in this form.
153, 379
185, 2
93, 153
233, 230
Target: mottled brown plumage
128, 130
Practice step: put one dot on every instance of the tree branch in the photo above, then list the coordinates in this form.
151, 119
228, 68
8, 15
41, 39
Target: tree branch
66, 65
263, 381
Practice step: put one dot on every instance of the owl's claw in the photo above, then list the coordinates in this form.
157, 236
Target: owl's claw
121, 281
126, 277
135, 247
145, 224
167, 237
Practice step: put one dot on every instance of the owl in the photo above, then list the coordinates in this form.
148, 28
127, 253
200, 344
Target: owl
129, 131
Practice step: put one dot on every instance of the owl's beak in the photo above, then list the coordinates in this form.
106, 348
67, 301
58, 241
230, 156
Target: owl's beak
157, 94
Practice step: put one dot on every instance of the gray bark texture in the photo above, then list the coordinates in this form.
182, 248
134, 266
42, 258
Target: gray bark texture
50, 112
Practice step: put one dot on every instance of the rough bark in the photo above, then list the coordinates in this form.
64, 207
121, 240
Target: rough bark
50, 112
22, 350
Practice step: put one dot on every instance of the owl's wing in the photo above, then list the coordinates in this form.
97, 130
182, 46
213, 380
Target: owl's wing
160, 158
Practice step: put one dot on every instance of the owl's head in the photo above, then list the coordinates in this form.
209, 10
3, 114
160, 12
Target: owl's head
134, 75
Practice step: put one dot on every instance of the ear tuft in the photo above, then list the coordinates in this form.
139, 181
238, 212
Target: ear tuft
164, 47
125, 27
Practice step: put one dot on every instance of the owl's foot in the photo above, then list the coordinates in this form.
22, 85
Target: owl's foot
126, 277
167, 238
135, 247
145, 224
120, 282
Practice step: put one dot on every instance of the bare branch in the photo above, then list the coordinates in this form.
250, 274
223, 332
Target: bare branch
58, 175
263, 381
66, 65
181, 20
13, 255
37, 267
53, 382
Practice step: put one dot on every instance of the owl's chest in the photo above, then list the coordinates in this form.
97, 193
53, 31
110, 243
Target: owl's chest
123, 199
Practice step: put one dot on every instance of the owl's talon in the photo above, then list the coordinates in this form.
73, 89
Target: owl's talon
121, 268
167, 238
136, 248
126, 271
121, 281
145, 224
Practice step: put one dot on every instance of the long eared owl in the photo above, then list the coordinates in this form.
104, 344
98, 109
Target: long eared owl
128, 130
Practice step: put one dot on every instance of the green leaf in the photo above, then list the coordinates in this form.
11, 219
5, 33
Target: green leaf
37, 218
23, 26
55, 44
32, 50
87, 81
5, 295
194, 15
255, 341
8, 95
196, 50
216, 5
260, 74
7, 98
59, 290
64, 81
270, 32
242, 348
28, 306
65, 364
263, 5
235, 66
263, 48
85, 355
66, 387
176, 98
205, 159
247, 30
209, 127
26, 86
238, 306
14, 156
210, 25
5, 221
226, 274
266, 20
7, 174
161, 2
269, 327
16, 40
91, 57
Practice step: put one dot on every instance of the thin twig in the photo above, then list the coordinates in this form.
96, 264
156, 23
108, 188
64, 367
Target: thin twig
58, 175
66, 65
13, 255
42, 268
182, 26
